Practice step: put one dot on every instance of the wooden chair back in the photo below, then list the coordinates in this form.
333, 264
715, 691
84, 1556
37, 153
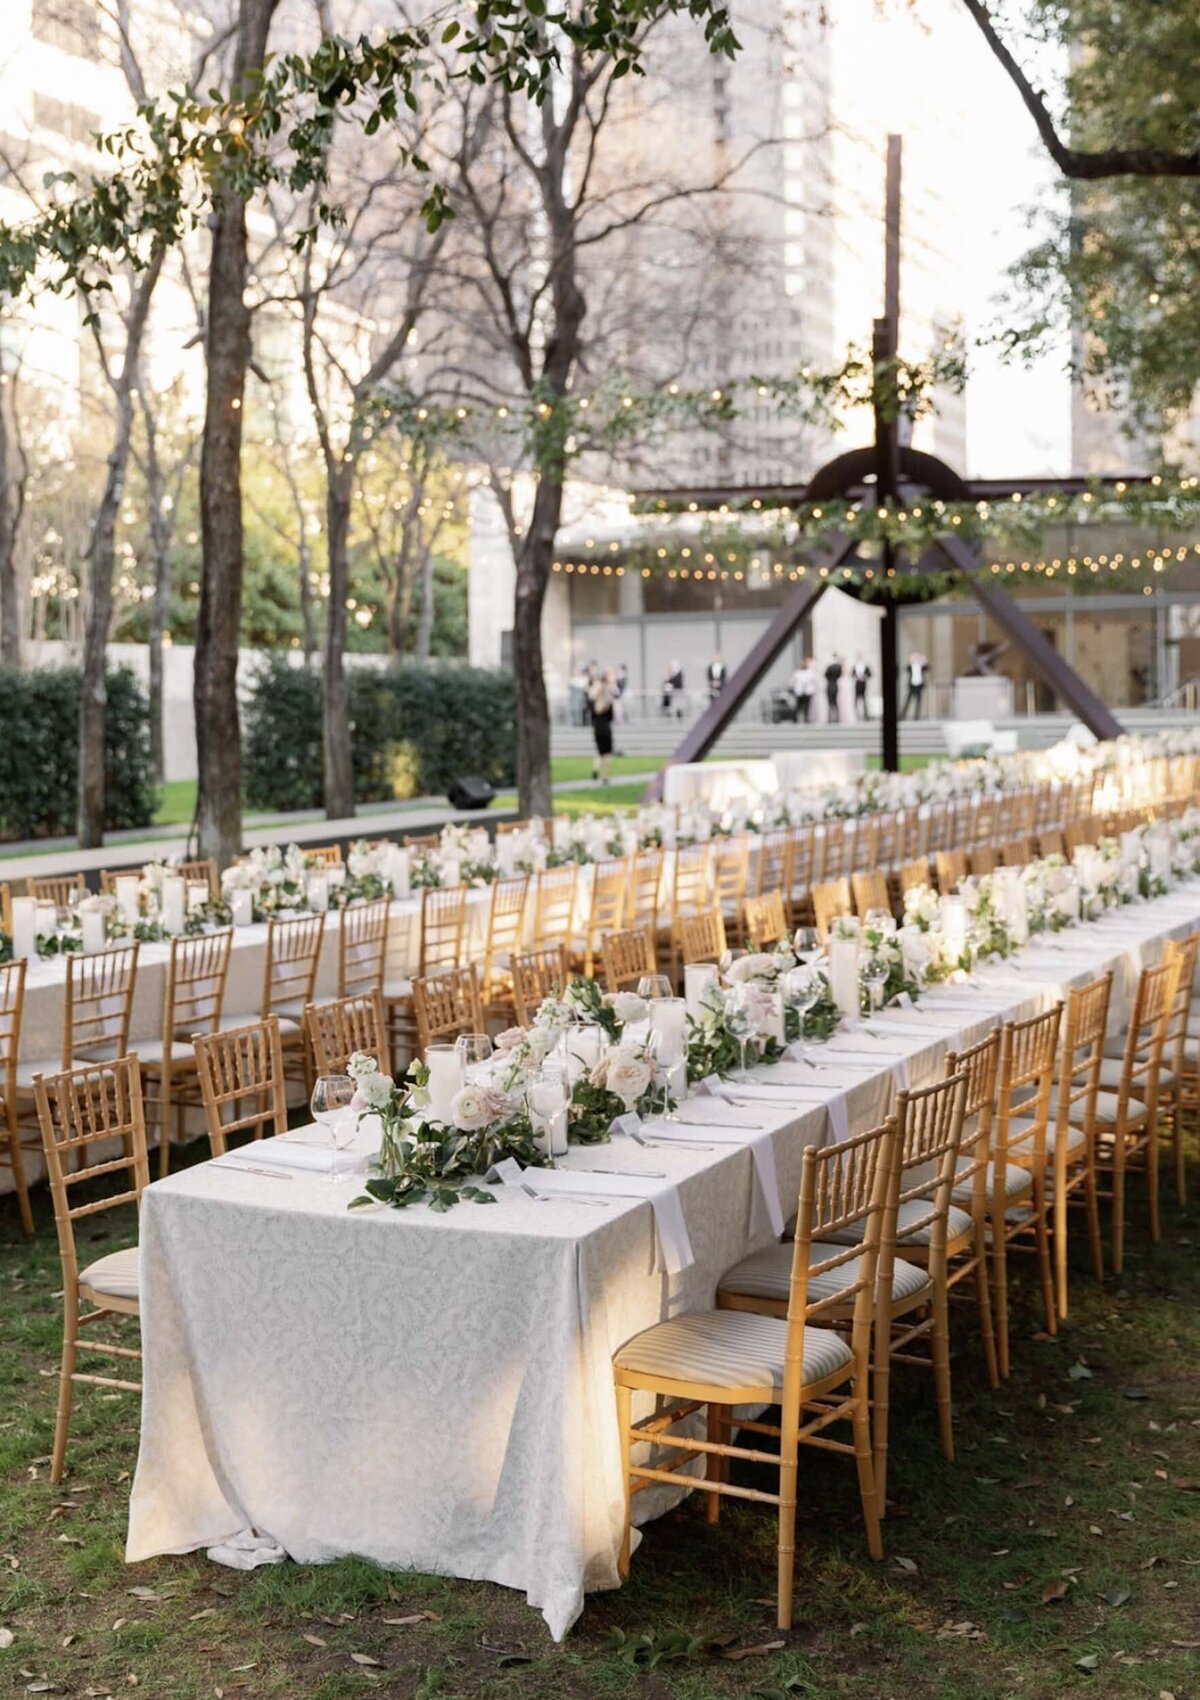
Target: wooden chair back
1050, 841
447, 1004
870, 892
606, 909
538, 974
362, 947
627, 955
242, 1084
1016, 852
765, 920
864, 849
805, 863
834, 846
93, 1128
914, 873
323, 855
337, 1029
984, 859
951, 868
12, 1005
830, 899
505, 933
979, 1062
506, 826
1085, 1024
730, 874
841, 1187
63, 890
773, 864
443, 927
1146, 1038
99, 1003
422, 842
554, 906
5, 908
1028, 1053
645, 886
293, 952
1179, 1042
930, 1124
692, 888
196, 975
702, 937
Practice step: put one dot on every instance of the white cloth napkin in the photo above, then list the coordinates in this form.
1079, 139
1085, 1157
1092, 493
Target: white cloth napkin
288, 1154
765, 1208
898, 1065
672, 1245
246, 1551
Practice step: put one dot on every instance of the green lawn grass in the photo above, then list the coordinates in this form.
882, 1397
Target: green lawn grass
1078, 1479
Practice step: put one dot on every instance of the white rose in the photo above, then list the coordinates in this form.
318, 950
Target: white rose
470, 1109
509, 1040
628, 1076
757, 966
628, 1007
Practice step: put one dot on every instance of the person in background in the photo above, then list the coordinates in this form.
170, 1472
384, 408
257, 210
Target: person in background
716, 678
862, 674
602, 700
917, 672
672, 690
804, 688
833, 679
620, 686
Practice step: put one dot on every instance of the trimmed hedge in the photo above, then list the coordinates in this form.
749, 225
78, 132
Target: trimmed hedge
39, 752
414, 729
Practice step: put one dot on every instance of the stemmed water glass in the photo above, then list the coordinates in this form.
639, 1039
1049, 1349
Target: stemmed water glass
473, 1050
801, 988
652, 986
806, 943
330, 1105
741, 1024
875, 977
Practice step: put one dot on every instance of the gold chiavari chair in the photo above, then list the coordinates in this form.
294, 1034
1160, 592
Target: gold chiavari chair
538, 974
805, 863
1126, 1120
887, 846
831, 899
606, 909
730, 876
967, 1258
627, 956
1071, 1141
194, 999
506, 826
242, 1083
1050, 841
721, 1359
505, 936
987, 825
951, 868
96, 1014
337, 1029
691, 893
447, 1004
1016, 852
443, 933
985, 859
868, 837
1182, 1078
12, 1006
362, 947
914, 873
422, 843
834, 850
289, 976
323, 855
765, 921
92, 1127
1019, 1198
5, 908
870, 892
554, 919
773, 865
645, 886
702, 937
63, 890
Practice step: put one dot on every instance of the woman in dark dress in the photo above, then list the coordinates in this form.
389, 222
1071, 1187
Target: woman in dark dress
602, 697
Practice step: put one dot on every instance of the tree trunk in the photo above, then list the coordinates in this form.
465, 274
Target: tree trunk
339, 767
533, 560
160, 606
13, 473
425, 617
227, 355
308, 614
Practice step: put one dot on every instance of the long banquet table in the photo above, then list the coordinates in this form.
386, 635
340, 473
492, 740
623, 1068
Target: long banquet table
434, 1392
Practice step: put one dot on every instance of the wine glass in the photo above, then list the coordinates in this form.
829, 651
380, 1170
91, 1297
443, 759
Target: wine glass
741, 1023
652, 986
548, 1096
473, 1049
875, 975
806, 943
801, 988
330, 1105
881, 921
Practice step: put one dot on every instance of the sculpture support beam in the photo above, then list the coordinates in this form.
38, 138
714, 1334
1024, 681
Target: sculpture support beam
797, 606
1049, 665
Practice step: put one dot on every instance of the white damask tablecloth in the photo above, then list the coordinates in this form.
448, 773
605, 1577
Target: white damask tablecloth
435, 1392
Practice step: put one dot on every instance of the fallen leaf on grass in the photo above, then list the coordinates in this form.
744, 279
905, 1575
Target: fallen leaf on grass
6, 1637
1134, 1393
736, 1653
1189, 1484
908, 1565
422, 1617
315, 1641
365, 1659
1079, 1372
209, 1611
143, 1593
1055, 1591
1089, 1661
1116, 1596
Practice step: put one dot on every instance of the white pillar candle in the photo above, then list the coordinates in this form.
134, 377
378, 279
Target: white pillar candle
1068, 900
843, 975
583, 1045
127, 896
1016, 906
317, 888
560, 832
241, 907
1160, 856
668, 1018
505, 861
548, 1117
954, 926
668, 831
173, 904
197, 895
401, 871
451, 871
91, 923
335, 874
445, 1078
24, 927
629, 840
697, 978
46, 920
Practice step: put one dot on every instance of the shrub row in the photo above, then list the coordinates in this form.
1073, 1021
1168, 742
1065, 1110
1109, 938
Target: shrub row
413, 730
39, 752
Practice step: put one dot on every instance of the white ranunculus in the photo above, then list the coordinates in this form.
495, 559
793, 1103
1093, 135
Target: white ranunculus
757, 966
470, 1109
628, 1007
628, 1075
510, 1039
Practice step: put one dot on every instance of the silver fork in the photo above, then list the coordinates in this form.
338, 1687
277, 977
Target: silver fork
663, 1144
573, 1197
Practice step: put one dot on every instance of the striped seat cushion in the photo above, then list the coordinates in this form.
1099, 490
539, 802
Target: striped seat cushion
1016, 1180
767, 1274
912, 1210
116, 1275
1106, 1110
729, 1348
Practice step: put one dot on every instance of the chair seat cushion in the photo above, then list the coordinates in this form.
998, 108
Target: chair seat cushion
1106, 1109
767, 1275
1016, 1181
730, 1348
397, 991
116, 1274
289, 1025
53, 1065
149, 1052
913, 1210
